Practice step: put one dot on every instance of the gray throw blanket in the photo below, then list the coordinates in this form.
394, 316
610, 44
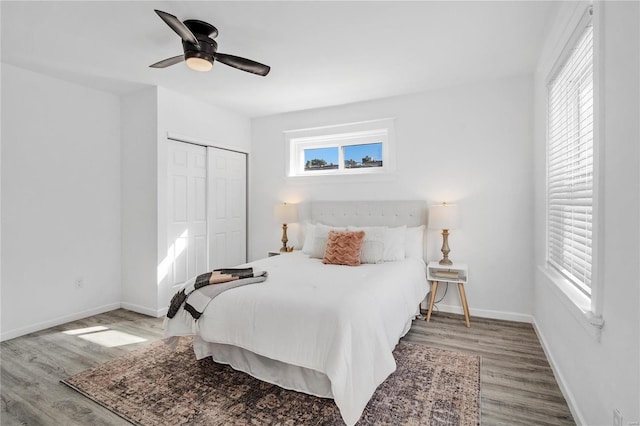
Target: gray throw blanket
198, 293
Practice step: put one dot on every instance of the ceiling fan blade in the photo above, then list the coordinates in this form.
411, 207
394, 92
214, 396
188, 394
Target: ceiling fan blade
168, 62
177, 26
243, 64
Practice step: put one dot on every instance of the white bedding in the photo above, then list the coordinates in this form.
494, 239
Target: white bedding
341, 321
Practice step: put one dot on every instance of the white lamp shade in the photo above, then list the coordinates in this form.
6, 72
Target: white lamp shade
444, 216
285, 213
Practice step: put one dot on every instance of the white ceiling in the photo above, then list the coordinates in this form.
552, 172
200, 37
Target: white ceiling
321, 53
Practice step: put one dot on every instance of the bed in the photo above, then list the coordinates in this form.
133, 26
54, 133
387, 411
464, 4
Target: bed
326, 330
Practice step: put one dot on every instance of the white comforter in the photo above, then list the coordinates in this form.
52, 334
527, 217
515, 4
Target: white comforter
339, 320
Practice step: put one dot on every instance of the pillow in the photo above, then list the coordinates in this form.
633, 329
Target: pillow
320, 234
309, 236
394, 244
414, 245
373, 245
343, 248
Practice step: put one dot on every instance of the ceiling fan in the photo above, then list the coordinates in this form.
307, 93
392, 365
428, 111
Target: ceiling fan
200, 50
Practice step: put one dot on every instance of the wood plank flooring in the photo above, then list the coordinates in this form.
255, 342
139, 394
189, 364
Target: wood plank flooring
518, 386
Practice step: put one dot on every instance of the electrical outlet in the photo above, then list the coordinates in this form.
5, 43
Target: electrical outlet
79, 282
617, 417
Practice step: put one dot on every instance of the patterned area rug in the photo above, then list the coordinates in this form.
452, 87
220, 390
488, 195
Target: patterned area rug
163, 384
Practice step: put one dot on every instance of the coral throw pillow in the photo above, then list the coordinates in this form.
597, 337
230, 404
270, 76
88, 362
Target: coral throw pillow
343, 248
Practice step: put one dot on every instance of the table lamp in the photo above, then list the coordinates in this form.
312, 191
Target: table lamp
444, 216
284, 214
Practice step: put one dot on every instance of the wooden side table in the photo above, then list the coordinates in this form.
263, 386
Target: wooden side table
278, 252
456, 273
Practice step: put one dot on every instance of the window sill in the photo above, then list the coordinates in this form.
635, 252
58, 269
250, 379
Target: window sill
577, 303
344, 178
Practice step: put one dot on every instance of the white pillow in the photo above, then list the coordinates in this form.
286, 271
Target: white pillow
320, 235
394, 244
414, 245
309, 237
373, 246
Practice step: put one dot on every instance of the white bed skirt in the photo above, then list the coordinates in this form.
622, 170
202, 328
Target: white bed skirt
285, 375
279, 373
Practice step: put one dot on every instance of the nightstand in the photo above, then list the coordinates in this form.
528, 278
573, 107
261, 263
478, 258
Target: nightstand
456, 273
278, 252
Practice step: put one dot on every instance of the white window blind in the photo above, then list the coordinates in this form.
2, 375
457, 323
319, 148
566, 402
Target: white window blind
570, 165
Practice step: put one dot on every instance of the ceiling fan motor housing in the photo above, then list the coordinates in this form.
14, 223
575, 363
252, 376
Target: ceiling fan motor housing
205, 50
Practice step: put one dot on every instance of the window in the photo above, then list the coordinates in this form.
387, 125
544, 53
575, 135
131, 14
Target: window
570, 163
356, 148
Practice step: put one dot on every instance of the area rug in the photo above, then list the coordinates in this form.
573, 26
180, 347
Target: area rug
163, 384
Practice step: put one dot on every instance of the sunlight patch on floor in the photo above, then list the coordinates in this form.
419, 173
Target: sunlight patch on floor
85, 330
112, 338
104, 336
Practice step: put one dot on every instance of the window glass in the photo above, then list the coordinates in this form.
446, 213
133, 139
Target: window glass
365, 155
320, 159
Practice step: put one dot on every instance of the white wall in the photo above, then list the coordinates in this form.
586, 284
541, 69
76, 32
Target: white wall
139, 199
207, 123
60, 201
470, 145
599, 376
147, 117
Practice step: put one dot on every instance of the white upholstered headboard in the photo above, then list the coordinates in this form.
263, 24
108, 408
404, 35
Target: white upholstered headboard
369, 213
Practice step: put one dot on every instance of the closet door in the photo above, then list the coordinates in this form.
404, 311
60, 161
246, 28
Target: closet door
227, 213
187, 215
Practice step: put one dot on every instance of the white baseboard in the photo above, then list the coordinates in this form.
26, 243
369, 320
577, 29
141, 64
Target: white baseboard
568, 396
11, 334
57, 321
485, 313
156, 313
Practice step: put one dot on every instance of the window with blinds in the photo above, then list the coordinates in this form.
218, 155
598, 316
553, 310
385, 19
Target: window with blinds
570, 164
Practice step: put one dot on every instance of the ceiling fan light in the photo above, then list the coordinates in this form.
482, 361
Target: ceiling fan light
199, 64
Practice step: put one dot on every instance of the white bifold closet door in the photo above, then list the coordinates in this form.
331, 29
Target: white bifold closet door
206, 209
187, 219
227, 208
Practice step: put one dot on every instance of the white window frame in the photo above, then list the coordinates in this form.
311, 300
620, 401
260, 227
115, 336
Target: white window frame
585, 306
340, 136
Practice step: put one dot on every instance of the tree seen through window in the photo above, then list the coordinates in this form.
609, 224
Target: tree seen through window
355, 156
